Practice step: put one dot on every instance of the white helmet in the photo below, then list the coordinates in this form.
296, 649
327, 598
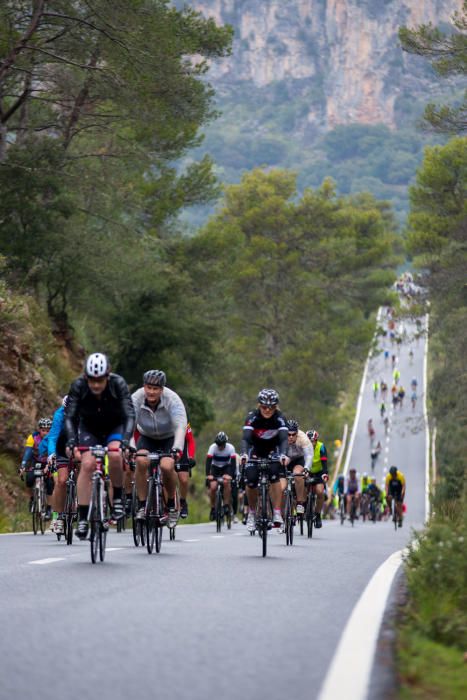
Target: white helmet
97, 365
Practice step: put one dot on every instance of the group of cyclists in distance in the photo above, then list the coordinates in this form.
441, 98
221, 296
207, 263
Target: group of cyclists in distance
99, 410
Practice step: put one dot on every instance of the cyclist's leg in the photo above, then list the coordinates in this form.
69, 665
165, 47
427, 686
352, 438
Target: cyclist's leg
212, 486
227, 487
299, 483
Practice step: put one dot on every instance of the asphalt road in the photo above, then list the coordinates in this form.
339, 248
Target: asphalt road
208, 616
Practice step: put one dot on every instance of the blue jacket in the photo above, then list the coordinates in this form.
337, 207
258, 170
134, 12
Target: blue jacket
48, 445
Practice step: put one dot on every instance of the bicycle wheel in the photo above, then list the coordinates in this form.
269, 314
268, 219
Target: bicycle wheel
394, 516
35, 513
43, 506
172, 533
69, 512
135, 524
288, 519
219, 510
103, 525
159, 499
264, 518
121, 523
94, 532
310, 514
150, 519
342, 511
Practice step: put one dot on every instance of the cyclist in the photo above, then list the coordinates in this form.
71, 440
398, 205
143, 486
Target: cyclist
161, 423
265, 434
319, 472
184, 467
384, 390
364, 482
54, 448
382, 409
300, 453
401, 394
221, 460
414, 384
375, 387
371, 430
375, 452
386, 425
32, 456
98, 411
374, 493
338, 490
352, 491
396, 376
395, 488
411, 357
413, 399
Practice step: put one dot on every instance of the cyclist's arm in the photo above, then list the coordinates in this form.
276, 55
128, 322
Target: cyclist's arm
283, 440
177, 412
190, 443
307, 448
324, 459
127, 408
247, 439
208, 464
233, 466
29, 451
54, 433
72, 410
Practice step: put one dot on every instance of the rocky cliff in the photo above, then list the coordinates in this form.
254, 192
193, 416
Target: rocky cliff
346, 51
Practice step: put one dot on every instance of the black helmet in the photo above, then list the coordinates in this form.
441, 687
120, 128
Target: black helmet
221, 438
268, 397
292, 426
154, 377
45, 423
393, 471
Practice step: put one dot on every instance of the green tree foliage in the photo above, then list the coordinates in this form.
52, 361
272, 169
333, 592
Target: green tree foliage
448, 56
437, 237
291, 284
98, 102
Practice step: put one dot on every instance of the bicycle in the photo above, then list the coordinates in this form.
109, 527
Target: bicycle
373, 509
289, 516
70, 514
39, 503
221, 510
364, 506
98, 513
177, 508
353, 510
264, 507
155, 510
310, 508
137, 526
342, 508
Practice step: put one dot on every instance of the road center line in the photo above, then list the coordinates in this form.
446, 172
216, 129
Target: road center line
113, 549
356, 649
190, 540
50, 560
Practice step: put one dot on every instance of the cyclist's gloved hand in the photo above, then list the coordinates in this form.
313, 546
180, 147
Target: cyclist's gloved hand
124, 445
244, 458
22, 468
191, 462
284, 460
325, 477
176, 454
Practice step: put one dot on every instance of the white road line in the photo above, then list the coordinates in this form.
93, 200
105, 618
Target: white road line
217, 537
360, 398
355, 653
190, 540
386, 449
427, 428
50, 560
387, 438
113, 549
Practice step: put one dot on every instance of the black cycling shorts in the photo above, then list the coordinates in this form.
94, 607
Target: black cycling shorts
220, 471
49, 481
252, 473
154, 445
396, 491
296, 462
86, 438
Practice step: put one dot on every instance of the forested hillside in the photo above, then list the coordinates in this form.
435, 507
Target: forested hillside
323, 88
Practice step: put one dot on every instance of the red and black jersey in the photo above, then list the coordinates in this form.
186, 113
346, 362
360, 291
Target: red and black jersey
261, 436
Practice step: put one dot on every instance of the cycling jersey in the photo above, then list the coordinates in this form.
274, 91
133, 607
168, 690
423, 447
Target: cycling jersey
32, 452
99, 415
261, 436
320, 458
167, 419
364, 483
395, 481
222, 458
352, 486
338, 487
302, 447
54, 442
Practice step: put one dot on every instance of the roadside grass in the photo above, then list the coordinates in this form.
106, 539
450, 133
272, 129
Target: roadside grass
432, 633
428, 670
14, 516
